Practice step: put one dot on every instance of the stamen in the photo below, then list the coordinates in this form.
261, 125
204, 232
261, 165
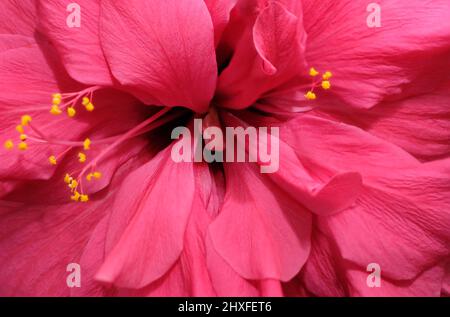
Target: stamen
23, 146
325, 84
20, 129
68, 102
9, 145
25, 120
71, 112
52, 160
81, 157
87, 144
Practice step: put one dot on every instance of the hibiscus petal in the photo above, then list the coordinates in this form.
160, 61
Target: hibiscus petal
267, 55
220, 15
322, 194
261, 232
419, 124
157, 215
407, 215
18, 17
427, 284
79, 47
38, 241
162, 50
372, 64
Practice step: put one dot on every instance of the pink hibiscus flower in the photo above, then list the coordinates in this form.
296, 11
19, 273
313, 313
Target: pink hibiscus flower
87, 176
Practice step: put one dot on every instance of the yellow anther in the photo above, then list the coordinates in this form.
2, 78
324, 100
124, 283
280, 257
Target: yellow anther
326, 84
55, 110
26, 119
85, 101
96, 175
81, 157
56, 101
310, 95
90, 107
23, 137
327, 75
57, 96
76, 196
23, 146
71, 112
313, 72
87, 144
67, 179
52, 160
20, 129
84, 198
9, 145
73, 184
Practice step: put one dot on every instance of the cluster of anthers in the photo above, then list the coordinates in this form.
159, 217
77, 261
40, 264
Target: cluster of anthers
69, 103
62, 102
323, 82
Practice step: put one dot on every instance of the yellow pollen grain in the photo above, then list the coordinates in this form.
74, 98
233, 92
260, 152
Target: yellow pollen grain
85, 101
9, 145
73, 184
326, 84
97, 175
87, 144
76, 196
313, 72
310, 95
20, 129
52, 160
55, 110
71, 112
84, 198
81, 157
89, 107
25, 120
327, 75
67, 179
23, 137
23, 146
56, 101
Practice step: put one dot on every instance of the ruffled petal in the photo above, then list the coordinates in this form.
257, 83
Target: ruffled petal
161, 50
152, 213
79, 47
407, 55
268, 53
220, 14
261, 232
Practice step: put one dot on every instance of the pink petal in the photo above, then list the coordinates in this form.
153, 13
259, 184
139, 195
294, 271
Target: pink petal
407, 55
18, 17
321, 194
152, 213
79, 47
261, 232
162, 50
38, 241
267, 55
419, 124
427, 284
220, 15
327, 147
406, 213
